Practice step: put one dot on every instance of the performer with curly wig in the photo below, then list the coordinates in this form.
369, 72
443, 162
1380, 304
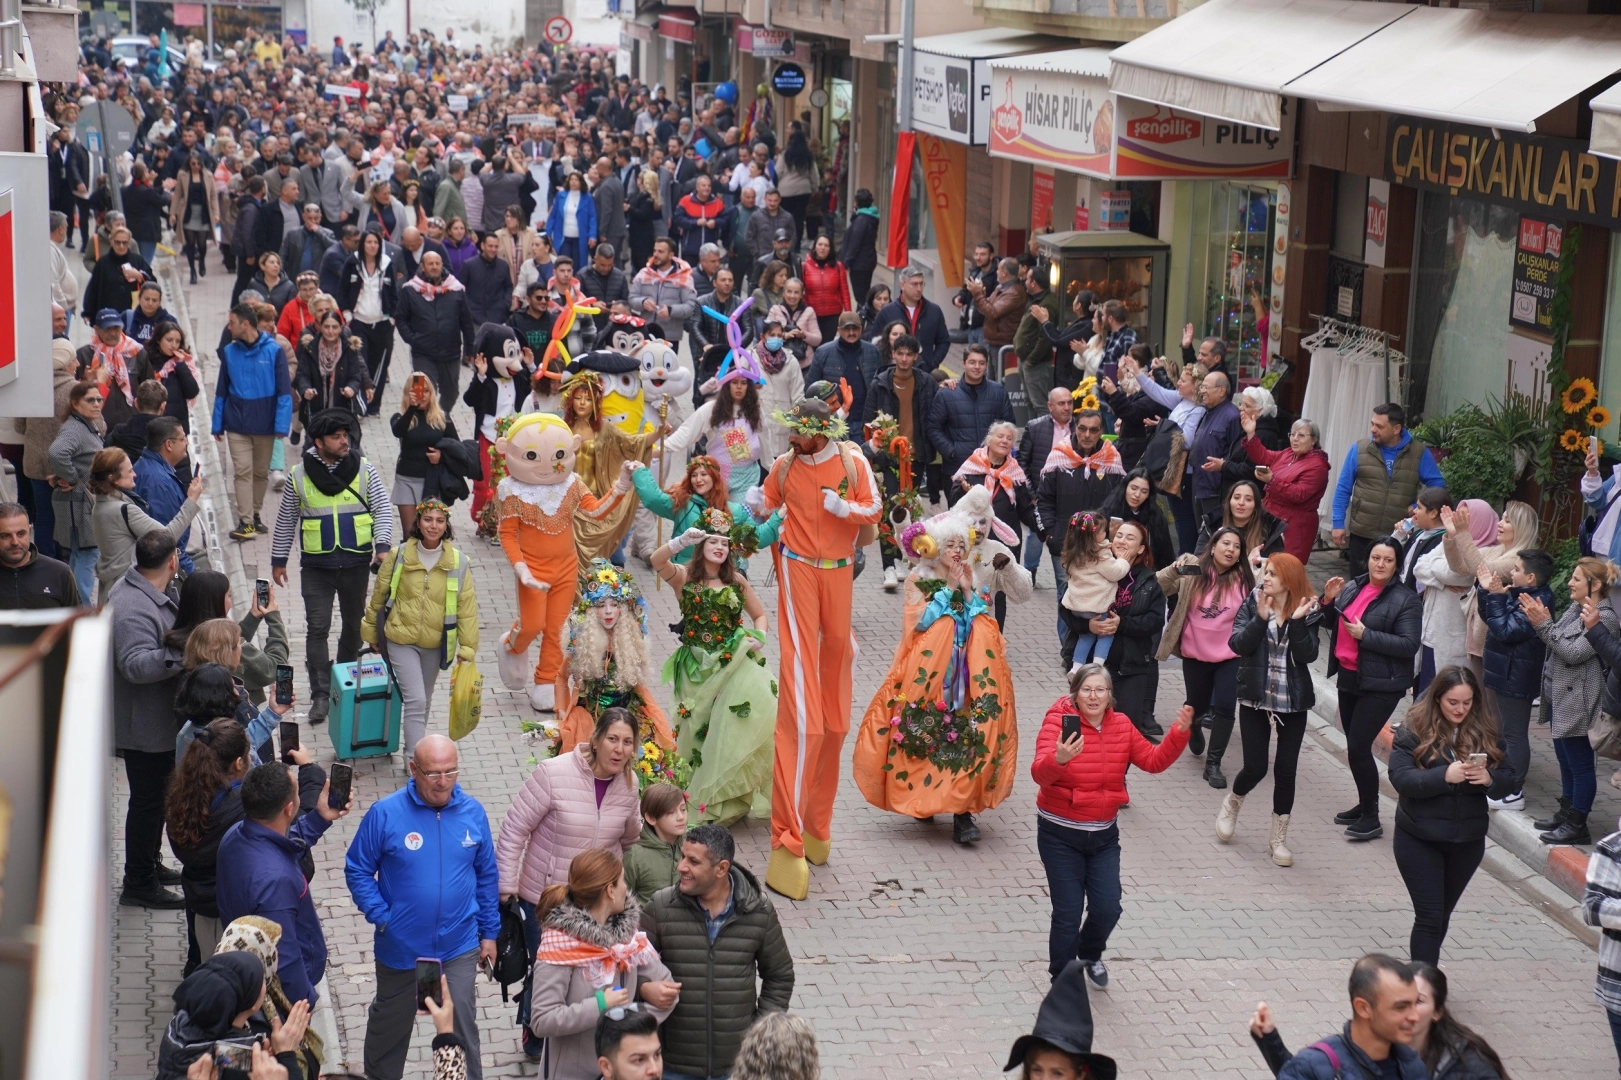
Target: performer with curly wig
605, 660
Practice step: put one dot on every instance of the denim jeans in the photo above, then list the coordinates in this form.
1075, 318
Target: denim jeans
1615, 1031
1083, 874
531, 934
83, 561
1577, 779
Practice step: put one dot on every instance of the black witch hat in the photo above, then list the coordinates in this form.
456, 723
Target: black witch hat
1065, 1022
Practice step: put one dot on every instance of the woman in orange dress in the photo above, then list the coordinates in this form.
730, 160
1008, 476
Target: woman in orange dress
941, 734
605, 661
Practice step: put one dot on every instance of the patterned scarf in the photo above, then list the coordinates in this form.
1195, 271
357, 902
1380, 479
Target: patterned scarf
115, 360
180, 357
432, 290
598, 963
772, 366
262, 937
1005, 476
327, 356
1104, 461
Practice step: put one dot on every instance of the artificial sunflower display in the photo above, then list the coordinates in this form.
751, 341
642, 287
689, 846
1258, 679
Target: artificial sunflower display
1089, 401
1598, 417
1578, 395
1572, 441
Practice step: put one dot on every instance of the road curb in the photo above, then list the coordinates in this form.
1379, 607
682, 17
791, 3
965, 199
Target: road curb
1551, 876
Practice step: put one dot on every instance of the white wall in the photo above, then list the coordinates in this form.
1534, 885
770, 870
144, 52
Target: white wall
592, 23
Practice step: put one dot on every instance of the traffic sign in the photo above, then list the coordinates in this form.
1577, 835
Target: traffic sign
558, 30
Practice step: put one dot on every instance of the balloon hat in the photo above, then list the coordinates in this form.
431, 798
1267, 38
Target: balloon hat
740, 363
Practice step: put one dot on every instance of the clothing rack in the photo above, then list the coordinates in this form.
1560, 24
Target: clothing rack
1347, 335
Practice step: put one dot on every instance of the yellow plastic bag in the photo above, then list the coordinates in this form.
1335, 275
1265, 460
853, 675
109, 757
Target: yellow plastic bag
466, 698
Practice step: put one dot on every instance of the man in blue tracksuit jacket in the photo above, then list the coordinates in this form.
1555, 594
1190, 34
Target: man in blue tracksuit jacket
421, 869
258, 873
253, 409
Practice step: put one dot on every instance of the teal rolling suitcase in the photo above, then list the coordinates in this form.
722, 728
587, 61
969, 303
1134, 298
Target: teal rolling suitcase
365, 716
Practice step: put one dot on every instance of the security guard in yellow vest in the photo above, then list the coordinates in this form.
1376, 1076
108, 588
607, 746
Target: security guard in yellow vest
423, 613
336, 507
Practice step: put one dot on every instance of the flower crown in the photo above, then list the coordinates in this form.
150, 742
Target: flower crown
432, 504
739, 533
604, 583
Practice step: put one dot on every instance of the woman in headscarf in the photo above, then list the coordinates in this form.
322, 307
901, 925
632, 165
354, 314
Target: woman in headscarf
1468, 549
261, 938
221, 1001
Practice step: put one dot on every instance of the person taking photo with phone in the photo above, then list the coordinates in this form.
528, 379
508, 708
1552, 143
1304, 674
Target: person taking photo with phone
1080, 765
1447, 759
421, 869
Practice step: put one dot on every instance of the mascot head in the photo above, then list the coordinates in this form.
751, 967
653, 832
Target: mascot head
501, 346
538, 449
664, 376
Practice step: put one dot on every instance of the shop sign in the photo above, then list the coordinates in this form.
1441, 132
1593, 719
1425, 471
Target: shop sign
1378, 227
942, 98
764, 42
788, 80
1540, 176
1041, 200
1536, 269
1055, 119
1157, 143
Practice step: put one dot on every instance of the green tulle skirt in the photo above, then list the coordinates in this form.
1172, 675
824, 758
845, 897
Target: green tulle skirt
726, 721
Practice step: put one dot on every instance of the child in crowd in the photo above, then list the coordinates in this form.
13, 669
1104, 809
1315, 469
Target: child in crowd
1092, 571
1514, 654
650, 863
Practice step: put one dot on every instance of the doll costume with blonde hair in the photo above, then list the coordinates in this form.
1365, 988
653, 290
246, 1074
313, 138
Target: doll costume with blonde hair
604, 667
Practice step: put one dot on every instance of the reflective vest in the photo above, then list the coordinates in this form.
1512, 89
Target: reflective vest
333, 523
455, 574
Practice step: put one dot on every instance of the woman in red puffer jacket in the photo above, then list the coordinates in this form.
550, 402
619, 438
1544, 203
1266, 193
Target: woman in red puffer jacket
827, 286
1083, 785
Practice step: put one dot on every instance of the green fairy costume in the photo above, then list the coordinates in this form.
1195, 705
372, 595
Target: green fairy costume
726, 700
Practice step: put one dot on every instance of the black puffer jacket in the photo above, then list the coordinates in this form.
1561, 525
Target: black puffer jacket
1249, 640
1430, 808
718, 1002
1392, 625
440, 328
197, 863
1608, 647
1141, 623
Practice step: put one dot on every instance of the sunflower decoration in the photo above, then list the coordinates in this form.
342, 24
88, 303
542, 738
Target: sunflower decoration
1572, 441
1088, 385
1598, 417
1578, 395
1089, 401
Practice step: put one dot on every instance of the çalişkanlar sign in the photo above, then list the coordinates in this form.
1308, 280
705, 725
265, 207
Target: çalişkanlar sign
1546, 177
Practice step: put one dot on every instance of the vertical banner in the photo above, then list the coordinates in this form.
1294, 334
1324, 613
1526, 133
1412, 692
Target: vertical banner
1041, 201
945, 177
900, 202
1373, 247
1280, 265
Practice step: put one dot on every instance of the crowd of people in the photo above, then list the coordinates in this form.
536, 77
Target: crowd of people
530, 270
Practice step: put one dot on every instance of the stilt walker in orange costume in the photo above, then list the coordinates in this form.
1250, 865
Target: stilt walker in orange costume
538, 502
830, 497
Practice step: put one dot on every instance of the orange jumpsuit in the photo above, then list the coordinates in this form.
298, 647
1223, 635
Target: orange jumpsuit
813, 560
544, 540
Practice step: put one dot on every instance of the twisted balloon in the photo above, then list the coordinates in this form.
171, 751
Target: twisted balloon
734, 337
561, 327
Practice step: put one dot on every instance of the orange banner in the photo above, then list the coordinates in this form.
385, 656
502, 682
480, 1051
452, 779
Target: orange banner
945, 174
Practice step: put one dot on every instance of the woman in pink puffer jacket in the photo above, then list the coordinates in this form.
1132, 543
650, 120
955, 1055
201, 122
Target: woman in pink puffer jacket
583, 799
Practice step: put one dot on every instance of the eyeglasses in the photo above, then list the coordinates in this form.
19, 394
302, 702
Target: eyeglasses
437, 777
618, 1012
1093, 691
1089, 429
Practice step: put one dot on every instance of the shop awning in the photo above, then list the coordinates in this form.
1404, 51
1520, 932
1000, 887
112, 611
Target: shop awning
1091, 63
682, 28
985, 44
1233, 59
1488, 68
1606, 139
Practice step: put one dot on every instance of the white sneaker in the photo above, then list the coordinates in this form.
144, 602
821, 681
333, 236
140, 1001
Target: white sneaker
543, 697
1515, 801
278, 479
891, 581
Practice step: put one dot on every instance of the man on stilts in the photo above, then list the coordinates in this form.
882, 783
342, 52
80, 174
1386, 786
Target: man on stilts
831, 500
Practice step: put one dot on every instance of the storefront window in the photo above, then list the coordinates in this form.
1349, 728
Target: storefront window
103, 18
1233, 267
231, 23
1610, 366
1462, 283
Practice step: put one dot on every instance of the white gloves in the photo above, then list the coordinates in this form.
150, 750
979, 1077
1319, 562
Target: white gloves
835, 505
754, 499
691, 538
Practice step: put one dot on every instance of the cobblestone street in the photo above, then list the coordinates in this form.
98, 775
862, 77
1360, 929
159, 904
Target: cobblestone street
918, 957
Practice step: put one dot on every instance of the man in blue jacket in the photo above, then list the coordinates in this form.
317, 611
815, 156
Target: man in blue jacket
1376, 1044
963, 412
422, 870
258, 873
156, 480
253, 407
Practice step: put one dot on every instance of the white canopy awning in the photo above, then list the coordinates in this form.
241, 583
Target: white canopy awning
985, 44
1606, 139
1493, 69
1090, 62
1232, 59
